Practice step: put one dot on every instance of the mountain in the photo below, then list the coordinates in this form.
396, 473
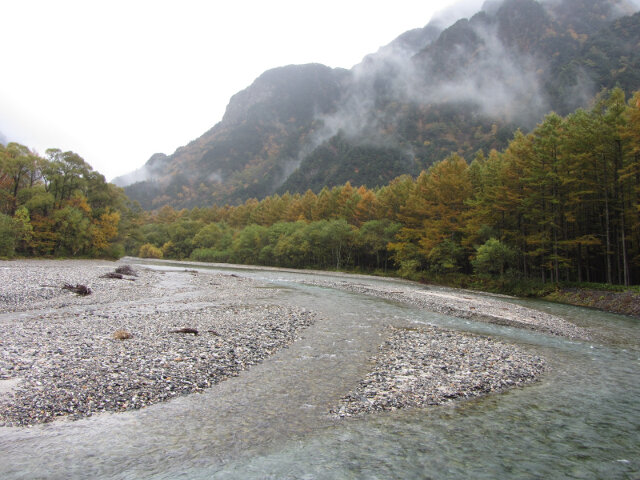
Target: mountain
253, 149
429, 93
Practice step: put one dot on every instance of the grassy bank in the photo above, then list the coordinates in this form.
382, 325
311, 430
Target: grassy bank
624, 302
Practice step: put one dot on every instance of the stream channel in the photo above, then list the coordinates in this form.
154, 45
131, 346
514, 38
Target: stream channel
581, 420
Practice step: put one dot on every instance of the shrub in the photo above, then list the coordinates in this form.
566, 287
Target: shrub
150, 251
409, 269
115, 251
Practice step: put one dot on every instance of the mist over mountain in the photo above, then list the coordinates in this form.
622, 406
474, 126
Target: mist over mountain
452, 86
3, 139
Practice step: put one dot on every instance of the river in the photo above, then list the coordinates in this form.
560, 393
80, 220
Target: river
582, 420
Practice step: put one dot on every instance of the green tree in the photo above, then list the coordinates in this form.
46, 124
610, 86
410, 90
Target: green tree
181, 235
374, 237
289, 245
446, 257
493, 257
214, 235
248, 243
65, 174
338, 236
37, 200
72, 226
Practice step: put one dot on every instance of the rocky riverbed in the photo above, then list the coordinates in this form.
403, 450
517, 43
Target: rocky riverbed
149, 337
132, 342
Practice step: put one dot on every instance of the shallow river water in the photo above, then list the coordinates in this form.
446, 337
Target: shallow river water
582, 420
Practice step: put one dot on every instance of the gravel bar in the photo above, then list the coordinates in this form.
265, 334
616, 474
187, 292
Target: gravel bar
424, 366
133, 342
466, 304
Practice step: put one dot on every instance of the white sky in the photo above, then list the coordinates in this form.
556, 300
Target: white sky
117, 81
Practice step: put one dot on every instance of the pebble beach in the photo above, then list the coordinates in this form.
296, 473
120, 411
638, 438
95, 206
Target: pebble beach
149, 337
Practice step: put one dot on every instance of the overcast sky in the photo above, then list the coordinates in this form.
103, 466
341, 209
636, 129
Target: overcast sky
117, 81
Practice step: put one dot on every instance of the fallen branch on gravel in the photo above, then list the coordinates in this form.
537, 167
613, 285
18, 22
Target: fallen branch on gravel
118, 276
79, 289
185, 330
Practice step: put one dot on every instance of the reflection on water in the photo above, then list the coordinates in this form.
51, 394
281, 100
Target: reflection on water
581, 421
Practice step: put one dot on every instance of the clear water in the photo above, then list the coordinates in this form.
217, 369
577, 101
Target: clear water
581, 421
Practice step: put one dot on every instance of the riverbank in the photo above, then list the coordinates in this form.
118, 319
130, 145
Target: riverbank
466, 304
623, 303
607, 298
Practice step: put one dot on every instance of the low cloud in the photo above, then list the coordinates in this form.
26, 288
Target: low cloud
149, 171
214, 177
139, 175
504, 84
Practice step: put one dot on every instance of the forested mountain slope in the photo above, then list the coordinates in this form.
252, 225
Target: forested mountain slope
429, 93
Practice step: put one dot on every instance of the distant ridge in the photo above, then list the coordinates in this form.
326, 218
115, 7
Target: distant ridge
428, 93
